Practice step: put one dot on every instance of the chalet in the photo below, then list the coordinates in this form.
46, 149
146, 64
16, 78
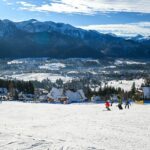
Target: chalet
75, 96
41, 94
57, 95
3, 94
25, 97
146, 92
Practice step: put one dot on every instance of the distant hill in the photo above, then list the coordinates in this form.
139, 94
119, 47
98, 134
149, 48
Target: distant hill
33, 38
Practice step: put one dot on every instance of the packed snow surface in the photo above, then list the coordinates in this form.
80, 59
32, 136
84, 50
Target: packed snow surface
73, 127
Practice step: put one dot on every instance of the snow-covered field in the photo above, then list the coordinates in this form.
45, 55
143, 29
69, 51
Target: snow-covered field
129, 62
73, 127
39, 77
53, 66
126, 85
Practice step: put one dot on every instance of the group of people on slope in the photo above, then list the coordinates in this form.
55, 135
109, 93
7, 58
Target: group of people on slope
108, 103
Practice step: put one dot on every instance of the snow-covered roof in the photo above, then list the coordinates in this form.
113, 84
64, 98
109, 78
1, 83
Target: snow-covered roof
56, 93
77, 96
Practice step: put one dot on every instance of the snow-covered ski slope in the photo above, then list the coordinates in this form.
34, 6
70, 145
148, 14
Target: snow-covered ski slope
28, 126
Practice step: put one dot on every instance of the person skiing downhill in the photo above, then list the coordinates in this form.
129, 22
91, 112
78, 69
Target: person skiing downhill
120, 103
111, 100
127, 104
107, 105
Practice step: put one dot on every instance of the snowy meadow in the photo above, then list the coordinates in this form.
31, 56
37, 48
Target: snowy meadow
73, 127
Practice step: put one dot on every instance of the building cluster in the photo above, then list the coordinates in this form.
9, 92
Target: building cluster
56, 95
59, 95
146, 91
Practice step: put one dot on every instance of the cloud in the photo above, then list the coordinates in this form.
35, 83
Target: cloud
26, 4
88, 6
130, 29
7, 2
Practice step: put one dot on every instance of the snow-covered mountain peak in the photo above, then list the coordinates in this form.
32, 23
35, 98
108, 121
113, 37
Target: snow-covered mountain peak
49, 26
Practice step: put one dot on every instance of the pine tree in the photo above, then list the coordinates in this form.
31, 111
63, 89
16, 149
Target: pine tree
147, 81
133, 89
59, 83
30, 88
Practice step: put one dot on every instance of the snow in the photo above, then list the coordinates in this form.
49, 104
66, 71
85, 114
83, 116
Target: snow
135, 63
53, 66
129, 62
26, 61
126, 84
111, 67
14, 62
73, 127
48, 26
39, 77
92, 72
93, 60
73, 72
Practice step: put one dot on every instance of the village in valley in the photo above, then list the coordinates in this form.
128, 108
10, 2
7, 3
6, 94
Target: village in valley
72, 92
73, 80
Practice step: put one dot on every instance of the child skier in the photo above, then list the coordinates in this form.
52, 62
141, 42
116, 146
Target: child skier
127, 103
107, 105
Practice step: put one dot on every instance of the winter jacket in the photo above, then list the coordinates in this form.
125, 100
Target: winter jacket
107, 104
120, 101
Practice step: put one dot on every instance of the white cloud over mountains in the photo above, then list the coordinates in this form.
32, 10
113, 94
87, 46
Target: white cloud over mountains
91, 7
130, 29
88, 6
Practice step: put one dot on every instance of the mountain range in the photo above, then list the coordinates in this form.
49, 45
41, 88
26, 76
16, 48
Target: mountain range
33, 38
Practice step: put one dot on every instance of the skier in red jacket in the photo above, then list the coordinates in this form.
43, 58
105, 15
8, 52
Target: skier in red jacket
107, 105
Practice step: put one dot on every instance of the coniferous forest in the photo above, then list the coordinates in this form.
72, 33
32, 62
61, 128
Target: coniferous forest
21, 86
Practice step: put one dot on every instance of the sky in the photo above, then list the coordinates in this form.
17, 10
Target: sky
120, 17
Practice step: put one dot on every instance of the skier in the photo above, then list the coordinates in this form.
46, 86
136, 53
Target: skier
107, 105
120, 103
111, 100
127, 103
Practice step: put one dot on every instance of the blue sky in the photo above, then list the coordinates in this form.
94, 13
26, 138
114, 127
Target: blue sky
122, 17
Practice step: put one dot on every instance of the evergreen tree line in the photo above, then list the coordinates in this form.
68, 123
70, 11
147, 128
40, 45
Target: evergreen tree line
28, 87
21, 86
89, 86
